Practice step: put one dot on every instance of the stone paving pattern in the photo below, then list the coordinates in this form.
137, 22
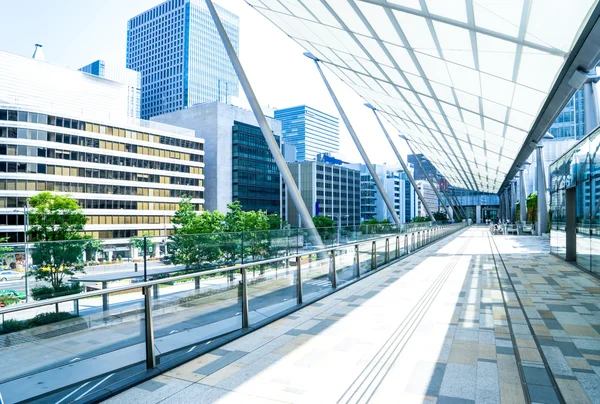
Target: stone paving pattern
470, 319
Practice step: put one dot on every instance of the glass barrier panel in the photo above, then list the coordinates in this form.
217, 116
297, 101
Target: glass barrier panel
316, 275
68, 342
345, 264
272, 289
190, 311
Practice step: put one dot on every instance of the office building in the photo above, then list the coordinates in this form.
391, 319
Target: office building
177, 49
238, 163
397, 187
311, 131
430, 198
327, 190
429, 167
131, 78
69, 133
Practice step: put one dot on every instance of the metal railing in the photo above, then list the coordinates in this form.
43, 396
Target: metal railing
164, 322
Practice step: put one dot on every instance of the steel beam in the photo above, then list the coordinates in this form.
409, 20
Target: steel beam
437, 193
357, 142
290, 184
402, 163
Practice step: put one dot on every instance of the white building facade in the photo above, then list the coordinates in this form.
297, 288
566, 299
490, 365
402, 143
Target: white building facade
430, 199
66, 131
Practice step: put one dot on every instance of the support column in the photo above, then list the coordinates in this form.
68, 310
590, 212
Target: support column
501, 210
402, 163
437, 193
522, 197
542, 206
513, 201
478, 214
506, 204
354, 136
288, 179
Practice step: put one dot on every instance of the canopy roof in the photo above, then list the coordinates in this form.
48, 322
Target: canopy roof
463, 80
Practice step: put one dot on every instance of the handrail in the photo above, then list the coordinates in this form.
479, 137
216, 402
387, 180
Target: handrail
101, 292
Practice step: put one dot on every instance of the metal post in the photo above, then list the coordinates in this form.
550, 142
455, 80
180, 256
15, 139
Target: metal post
145, 261
150, 356
513, 201
373, 255
357, 255
25, 222
542, 206
245, 312
427, 177
522, 197
357, 142
334, 273
197, 283
285, 172
402, 163
397, 247
299, 279
387, 250
76, 307
104, 297
406, 250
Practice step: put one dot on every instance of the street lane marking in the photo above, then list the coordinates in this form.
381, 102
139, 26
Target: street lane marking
73, 392
191, 349
173, 332
74, 359
94, 386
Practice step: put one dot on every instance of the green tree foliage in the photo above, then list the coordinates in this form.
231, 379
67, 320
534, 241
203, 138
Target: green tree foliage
4, 250
276, 222
325, 226
532, 207
208, 239
440, 216
55, 225
420, 219
138, 242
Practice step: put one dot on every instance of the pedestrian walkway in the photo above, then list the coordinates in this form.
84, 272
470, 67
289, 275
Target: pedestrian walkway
472, 318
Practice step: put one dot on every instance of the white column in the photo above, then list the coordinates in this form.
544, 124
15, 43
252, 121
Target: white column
522, 197
478, 213
542, 205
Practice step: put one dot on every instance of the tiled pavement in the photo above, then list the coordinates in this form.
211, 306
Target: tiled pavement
447, 325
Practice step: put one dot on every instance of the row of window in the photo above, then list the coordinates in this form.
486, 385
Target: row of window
95, 173
13, 150
73, 187
117, 220
23, 116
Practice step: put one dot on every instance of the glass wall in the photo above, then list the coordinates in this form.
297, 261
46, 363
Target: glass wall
579, 168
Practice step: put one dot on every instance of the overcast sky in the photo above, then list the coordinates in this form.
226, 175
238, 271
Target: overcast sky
75, 33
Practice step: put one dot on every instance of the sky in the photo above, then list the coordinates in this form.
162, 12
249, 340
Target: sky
76, 32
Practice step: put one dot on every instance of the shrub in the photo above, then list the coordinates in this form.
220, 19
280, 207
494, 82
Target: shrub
9, 326
12, 326
48, 292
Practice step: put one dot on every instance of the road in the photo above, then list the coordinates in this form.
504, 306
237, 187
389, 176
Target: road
123, 328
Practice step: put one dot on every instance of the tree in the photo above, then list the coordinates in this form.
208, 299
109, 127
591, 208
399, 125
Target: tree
194, 242
325, 227
4, 249
276, 222
440, 216
420, 219
55, 226
138, 242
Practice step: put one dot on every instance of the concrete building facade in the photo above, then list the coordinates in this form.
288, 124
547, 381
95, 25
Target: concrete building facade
327, 190
238, 163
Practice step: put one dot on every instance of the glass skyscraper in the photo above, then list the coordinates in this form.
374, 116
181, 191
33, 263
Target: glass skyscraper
570, 123
178, 51
309, 130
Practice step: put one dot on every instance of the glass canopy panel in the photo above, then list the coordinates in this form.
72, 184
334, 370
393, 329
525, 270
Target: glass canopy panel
464, 80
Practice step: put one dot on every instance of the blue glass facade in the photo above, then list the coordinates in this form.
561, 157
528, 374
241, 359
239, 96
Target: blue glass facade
176, 48
309, 130
570, 123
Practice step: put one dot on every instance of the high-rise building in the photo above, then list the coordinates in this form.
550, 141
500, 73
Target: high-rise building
238, 163
570, 123
177, 49
311, 131
397, 187
66, 131
429, 167
131, 78
430, 198
327, 190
